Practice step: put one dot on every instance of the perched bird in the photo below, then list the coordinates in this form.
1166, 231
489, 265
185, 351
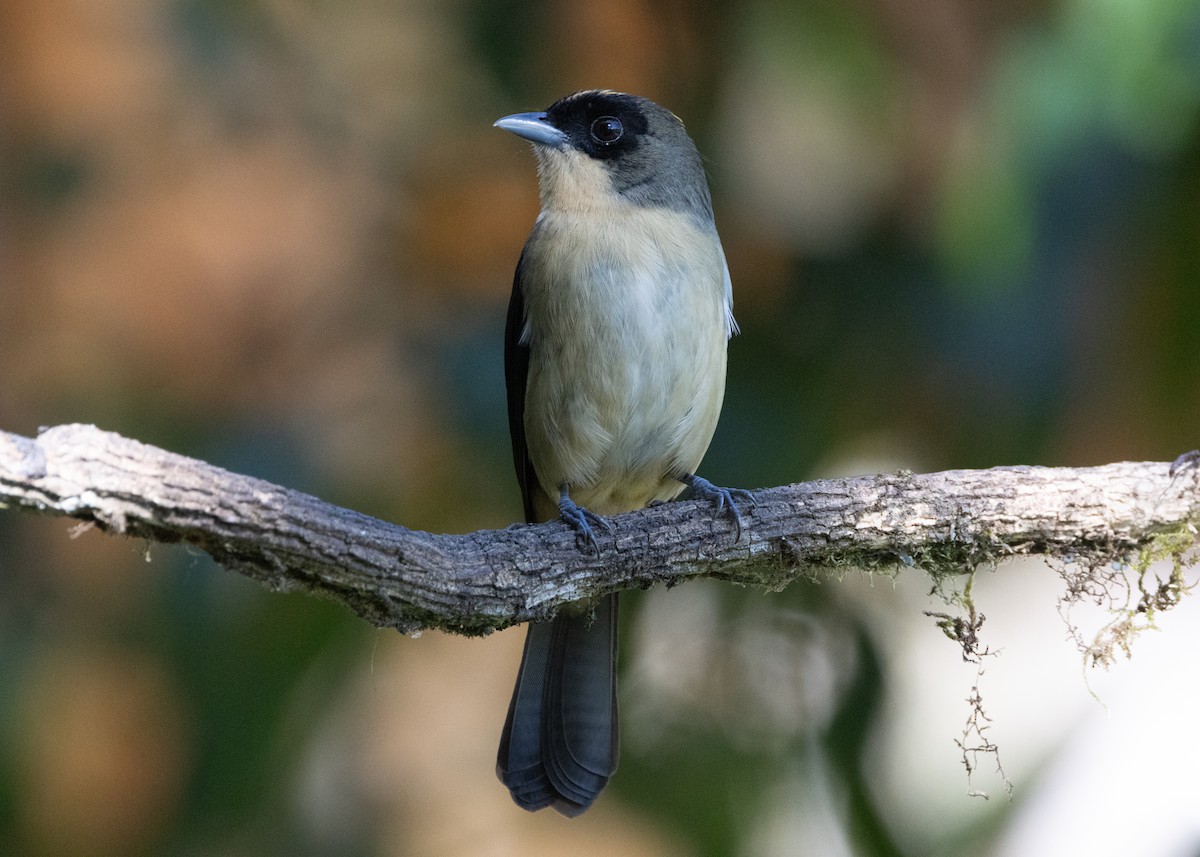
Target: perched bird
615, 365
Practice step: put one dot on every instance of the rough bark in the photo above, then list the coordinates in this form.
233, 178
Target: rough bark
945, 523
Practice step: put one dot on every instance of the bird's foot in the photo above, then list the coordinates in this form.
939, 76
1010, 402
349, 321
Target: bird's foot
581, 520
1188, 459
725, 498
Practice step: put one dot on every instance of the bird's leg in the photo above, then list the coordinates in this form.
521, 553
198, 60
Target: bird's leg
580, 519
725, 498
1188, 459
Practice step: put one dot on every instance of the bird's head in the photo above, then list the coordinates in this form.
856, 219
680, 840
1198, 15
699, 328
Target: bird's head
600, 149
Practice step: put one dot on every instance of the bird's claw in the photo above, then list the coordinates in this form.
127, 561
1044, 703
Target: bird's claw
725, 498
1188, 459
581, 520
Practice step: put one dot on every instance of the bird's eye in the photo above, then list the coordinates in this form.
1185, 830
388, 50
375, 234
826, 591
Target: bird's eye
607, 129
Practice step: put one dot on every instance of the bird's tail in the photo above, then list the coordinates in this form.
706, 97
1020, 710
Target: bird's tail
559, 745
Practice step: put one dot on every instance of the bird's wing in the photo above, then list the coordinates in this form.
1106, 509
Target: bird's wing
516, 374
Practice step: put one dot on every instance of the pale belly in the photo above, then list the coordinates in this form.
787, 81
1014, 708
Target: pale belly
625, 388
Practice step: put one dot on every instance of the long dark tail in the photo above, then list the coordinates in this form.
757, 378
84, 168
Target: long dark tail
559, 745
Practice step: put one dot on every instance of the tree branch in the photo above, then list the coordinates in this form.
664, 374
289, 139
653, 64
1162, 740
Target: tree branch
945, 523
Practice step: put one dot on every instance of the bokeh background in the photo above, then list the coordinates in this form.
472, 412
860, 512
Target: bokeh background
279, 235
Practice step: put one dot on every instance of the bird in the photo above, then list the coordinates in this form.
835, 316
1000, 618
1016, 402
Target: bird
615, 363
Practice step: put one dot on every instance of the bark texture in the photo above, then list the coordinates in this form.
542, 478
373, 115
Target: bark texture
945, 523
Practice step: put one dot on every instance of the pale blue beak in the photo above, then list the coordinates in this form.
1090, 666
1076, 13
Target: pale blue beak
535, 128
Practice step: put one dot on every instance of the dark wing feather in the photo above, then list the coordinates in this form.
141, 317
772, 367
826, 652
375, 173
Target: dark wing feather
516, 374
559, 745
